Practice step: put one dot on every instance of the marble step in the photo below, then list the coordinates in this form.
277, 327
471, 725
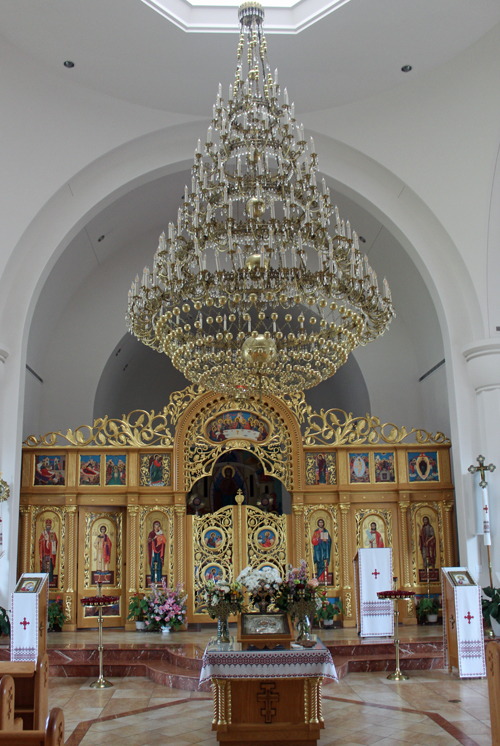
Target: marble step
369, 663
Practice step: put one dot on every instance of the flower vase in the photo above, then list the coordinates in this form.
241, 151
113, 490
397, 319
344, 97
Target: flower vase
165, 630
304, 627
222, 629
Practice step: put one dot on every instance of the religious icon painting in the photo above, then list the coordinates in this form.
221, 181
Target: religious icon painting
213, 539
47, 533
103, 551
265, 537
359, 468
461, 577
237, 424
155, 470
50, 470
28, 584
426, 527
213, 572
423, 467
116, 470
321, 468
373, 532
90, 470
157, 546
384, 467
321, 546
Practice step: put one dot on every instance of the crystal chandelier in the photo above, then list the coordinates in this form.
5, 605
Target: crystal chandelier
259, 284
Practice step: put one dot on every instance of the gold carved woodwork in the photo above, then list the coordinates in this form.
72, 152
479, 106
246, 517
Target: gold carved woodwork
180, 520
72, 544
299, 544
200, 454
403, 507
448, 544
132, 511
309, 517
143, 513
276, 555
267, 696
208, 561
336, 427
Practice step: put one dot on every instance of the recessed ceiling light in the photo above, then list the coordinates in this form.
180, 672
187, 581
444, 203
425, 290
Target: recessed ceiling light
101, 238
362, 239
68, 63
406, 68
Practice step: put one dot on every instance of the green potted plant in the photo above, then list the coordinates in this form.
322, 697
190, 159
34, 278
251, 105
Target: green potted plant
56, 615
428, 608
137, 609
4, 622
491, 608
329, 611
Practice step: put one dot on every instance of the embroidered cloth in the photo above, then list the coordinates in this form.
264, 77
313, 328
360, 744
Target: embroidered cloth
24, 625
373, 571
228, 661
469, 621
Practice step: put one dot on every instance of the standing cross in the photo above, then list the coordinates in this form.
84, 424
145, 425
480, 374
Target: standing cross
376, 573
24, 622
481, 468
268, 696
468, 617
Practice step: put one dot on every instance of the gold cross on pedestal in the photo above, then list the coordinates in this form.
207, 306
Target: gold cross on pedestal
268, 696
482, 469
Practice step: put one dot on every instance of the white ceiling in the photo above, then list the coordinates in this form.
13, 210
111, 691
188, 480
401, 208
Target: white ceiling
126, 49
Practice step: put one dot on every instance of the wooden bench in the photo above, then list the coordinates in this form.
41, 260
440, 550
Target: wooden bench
52, 735
31, 683
8, 722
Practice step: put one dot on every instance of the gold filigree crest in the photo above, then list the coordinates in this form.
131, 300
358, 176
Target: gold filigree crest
259, 525
206, 562
336, 427
143, 429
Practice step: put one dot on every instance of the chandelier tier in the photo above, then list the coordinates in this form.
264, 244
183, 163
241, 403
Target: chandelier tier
259, 284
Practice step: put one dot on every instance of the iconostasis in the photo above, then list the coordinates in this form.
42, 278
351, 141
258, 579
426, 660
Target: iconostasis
204, 488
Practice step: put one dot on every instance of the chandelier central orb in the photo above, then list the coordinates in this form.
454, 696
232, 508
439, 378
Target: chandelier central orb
259, 285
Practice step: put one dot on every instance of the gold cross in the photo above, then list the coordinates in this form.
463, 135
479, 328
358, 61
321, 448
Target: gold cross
268, 696
482, 469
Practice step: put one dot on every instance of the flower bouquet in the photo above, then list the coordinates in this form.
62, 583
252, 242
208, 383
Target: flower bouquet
222, 599
301, 597
166, 608
262, 585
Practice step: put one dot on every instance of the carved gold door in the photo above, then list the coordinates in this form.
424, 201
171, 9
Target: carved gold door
221, 544
100, 560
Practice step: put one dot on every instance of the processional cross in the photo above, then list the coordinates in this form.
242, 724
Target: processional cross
482, 468
268, 697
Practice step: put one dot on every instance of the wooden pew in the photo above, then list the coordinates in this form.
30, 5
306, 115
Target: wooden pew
52, 735
31, 690
7, 694
493, 672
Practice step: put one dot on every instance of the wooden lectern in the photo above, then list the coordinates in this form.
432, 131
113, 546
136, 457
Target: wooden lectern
29, 663
463, 623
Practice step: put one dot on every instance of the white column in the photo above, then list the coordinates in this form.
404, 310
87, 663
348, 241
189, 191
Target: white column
483, 366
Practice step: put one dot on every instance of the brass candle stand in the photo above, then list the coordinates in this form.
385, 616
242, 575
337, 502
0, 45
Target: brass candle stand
99, 602
396, 596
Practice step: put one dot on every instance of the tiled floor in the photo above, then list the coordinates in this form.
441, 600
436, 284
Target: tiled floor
362, 709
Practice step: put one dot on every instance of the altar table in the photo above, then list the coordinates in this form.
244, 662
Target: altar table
267, 697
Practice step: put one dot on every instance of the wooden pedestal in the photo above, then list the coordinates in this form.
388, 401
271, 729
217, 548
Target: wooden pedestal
269, 712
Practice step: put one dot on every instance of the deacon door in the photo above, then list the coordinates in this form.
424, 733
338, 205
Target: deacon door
100, 548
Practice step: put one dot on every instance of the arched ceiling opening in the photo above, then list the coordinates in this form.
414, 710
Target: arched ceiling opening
90, 367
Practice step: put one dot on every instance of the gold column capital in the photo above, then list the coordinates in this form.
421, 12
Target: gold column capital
132, 509
404, 504
345, 507
70, 508
298, 509
25, 509
180, 509
448, 506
